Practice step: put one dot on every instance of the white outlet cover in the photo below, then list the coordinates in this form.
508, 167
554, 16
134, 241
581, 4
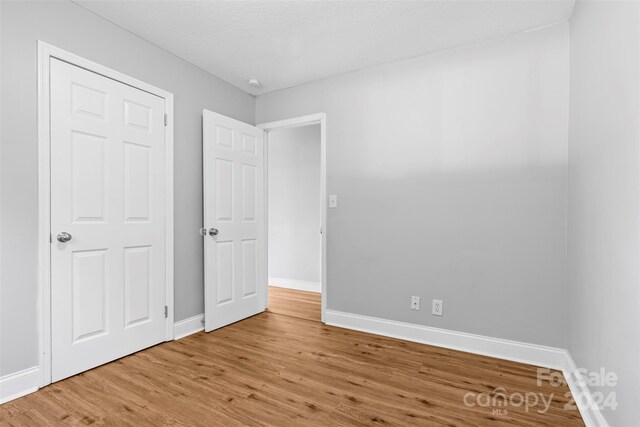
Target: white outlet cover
333, 201
415, 303
437, 307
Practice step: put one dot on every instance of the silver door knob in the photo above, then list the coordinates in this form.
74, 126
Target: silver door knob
203, 231
213, 232
63, 237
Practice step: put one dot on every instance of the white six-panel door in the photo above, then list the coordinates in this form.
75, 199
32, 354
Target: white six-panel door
234, 219
107, 193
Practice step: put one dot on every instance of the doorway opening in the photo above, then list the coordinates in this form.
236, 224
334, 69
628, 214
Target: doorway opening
296, 216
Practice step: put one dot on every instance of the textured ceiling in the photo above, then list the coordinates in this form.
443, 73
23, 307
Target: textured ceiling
287, 43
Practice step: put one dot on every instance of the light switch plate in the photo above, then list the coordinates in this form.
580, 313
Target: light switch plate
333, 201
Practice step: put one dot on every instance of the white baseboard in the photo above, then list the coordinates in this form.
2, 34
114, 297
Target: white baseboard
299, 285
532, 354
591, 414
19, 384
186, 327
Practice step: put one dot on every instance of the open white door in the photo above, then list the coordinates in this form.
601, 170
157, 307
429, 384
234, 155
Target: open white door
235, 271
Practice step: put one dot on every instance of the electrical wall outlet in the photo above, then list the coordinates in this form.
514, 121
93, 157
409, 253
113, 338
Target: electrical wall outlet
436, 307
415, 303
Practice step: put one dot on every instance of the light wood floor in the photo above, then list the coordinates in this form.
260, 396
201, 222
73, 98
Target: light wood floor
281, 370
300, 304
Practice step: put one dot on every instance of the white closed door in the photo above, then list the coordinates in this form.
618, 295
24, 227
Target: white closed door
107, 219
234, 219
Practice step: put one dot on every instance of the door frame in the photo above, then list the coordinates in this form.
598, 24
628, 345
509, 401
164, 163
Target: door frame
312, 119
45, 53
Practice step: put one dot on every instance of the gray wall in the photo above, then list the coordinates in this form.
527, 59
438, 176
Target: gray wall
604, 197
451, 171
71, 27
294, 203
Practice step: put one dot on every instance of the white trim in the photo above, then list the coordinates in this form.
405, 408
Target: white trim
294, 122
589, 410
300, 285
169, 216
45, 53
321, 119
186, 327
549, 357
19, 384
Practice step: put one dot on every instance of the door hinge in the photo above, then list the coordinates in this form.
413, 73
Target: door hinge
166, 311
165, 119
50, 238
320, 230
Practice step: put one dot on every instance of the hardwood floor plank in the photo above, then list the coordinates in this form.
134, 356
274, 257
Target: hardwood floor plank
283, 367
300, 304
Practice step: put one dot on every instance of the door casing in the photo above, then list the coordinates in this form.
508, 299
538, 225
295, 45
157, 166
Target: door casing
45, 53
312, 119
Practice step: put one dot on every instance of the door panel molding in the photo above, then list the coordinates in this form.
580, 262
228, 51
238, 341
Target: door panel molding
89, 103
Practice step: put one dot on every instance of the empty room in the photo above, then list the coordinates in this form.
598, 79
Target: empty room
320, 212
